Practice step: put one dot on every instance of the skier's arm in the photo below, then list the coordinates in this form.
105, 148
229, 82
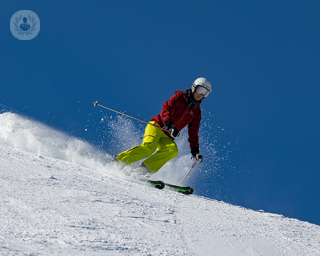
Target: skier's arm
193, 130
194, 138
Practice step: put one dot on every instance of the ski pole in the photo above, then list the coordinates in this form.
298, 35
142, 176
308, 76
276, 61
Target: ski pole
96, 104
188, 173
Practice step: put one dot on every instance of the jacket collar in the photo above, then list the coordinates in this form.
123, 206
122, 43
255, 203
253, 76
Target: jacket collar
192, 103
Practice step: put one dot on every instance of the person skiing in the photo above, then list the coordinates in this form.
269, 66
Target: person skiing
182, 109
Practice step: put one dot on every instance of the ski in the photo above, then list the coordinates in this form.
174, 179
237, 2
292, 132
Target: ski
156, 183
183, 190
160, 185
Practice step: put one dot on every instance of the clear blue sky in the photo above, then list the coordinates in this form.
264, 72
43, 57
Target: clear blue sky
262, 58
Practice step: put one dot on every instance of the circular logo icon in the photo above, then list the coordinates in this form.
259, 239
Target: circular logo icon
25, 25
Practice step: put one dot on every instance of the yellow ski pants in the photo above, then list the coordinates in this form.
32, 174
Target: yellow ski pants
154, 138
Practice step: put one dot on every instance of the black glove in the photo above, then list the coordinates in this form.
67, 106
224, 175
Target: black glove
168, 124
196, 154
174, 132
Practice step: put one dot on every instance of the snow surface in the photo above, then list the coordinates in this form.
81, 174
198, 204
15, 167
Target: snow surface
58, 199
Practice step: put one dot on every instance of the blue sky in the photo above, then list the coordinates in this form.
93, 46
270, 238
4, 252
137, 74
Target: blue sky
262, 58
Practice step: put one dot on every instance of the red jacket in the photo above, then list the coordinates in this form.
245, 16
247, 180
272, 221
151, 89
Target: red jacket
176, 109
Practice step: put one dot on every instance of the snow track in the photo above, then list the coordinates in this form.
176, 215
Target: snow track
54, 207
51, 204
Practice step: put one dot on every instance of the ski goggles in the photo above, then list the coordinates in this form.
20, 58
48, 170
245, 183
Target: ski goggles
204, 91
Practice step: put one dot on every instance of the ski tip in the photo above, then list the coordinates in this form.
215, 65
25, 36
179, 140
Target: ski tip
190, 191
185, 190
182, 190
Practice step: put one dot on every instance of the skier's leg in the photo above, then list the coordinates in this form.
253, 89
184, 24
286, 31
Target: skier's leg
167, 150
148, 146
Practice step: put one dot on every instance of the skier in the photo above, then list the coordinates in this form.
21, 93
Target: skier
182, 109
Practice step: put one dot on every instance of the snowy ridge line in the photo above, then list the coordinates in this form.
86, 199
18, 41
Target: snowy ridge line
81, 211
255, 210
31, 136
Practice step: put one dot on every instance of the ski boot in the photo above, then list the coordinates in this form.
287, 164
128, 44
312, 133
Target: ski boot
143, 171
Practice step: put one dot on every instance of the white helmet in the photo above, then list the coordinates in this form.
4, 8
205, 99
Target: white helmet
202, 86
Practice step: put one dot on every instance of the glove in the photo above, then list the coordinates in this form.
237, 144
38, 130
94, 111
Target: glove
196, 154
174, 133
168, 125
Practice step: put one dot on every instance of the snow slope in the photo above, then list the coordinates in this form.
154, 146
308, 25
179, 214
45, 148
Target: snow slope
57, 199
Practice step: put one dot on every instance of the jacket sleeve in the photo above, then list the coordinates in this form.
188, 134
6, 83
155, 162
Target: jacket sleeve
193, 130
169, 106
